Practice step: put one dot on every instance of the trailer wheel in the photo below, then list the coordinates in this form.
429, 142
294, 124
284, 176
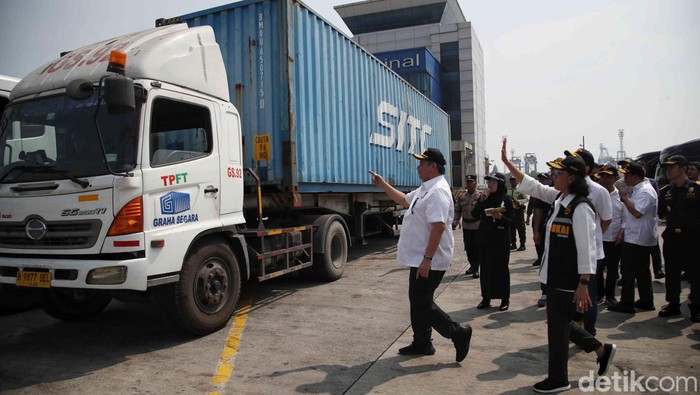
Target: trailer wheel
330, 265
72, 304
206, 295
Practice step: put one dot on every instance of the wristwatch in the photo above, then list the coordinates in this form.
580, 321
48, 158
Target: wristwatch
427, 257
583, 281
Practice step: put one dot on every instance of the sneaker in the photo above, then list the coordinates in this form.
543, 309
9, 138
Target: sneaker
646, 306
418, 349
461, 341
670, 310
542, 302
522, 247
659, 275
605, 359
548, 386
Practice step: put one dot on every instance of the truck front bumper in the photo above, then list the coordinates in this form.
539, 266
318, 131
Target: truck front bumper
73, 273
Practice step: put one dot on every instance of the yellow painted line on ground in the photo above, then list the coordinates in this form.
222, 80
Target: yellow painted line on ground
233, 342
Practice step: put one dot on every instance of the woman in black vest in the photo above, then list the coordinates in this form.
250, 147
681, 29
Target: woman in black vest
493, 240
568, 260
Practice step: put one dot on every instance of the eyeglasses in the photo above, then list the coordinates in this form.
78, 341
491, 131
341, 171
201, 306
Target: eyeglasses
556, 172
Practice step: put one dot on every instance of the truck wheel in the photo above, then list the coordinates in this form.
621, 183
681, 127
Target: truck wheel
72, 304
206, 295
14, 299
330, 265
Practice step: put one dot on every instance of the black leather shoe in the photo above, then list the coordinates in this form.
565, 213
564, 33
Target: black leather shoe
505, 303
670, 310
485, 304
695, 315
622, 308
606, 358
513, 247
475, 275
461, 341
522, 247
418, 349
469, 271
659, 275
646, 306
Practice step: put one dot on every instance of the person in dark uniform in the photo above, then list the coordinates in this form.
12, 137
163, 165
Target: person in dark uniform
493, 239
519, 204
680, 204
568, 263
463, 215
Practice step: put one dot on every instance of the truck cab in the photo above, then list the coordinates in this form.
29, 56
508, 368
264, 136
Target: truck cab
126, 177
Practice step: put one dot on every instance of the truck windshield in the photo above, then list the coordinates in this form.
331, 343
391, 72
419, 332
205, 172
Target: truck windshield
58, 133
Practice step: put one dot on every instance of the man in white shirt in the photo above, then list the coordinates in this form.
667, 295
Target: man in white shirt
639, 240
612, 237
426, 245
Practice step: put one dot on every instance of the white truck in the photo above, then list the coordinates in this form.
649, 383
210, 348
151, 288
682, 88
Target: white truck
124, 167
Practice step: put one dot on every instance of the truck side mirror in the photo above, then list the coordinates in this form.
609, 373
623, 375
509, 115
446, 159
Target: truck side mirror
119, 94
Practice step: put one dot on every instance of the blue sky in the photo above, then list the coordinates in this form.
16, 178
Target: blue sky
558, 72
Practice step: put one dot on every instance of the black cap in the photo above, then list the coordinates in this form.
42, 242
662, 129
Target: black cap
496, 177
584, 154
608, 169
633, 168
432, 155
471, 177
625, 162
543, 175
676, 160
573, 165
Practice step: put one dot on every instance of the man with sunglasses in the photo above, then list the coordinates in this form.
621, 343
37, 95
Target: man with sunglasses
426, 245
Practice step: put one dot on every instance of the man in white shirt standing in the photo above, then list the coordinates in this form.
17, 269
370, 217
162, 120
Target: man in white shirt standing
612, 237
426, 245
639, 240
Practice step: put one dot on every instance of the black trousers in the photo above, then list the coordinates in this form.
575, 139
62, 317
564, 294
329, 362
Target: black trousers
425, 314
679, 254
611, 265
560, 330
519, 225
635, 268
470, 247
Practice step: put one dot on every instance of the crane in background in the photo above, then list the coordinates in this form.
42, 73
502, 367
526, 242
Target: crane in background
530, 163
604, 157
621, 154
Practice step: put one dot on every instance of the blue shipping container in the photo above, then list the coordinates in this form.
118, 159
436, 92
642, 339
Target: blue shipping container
330, 110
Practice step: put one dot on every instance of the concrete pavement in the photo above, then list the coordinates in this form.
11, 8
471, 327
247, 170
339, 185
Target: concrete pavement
509, 349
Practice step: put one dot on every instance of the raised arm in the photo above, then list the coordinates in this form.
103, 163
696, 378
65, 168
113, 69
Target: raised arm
395, 195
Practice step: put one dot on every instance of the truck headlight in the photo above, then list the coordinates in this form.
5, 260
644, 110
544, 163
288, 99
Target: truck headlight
107, 275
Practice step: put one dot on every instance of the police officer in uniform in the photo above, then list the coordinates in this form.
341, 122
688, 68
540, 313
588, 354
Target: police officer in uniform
679, 202
463, 211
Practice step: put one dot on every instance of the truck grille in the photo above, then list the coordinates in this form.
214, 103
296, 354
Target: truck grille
58, 235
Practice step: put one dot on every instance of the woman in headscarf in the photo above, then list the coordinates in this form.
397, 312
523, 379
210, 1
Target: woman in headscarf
568, 260
493, 240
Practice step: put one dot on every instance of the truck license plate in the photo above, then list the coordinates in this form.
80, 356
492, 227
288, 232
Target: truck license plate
33, 279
